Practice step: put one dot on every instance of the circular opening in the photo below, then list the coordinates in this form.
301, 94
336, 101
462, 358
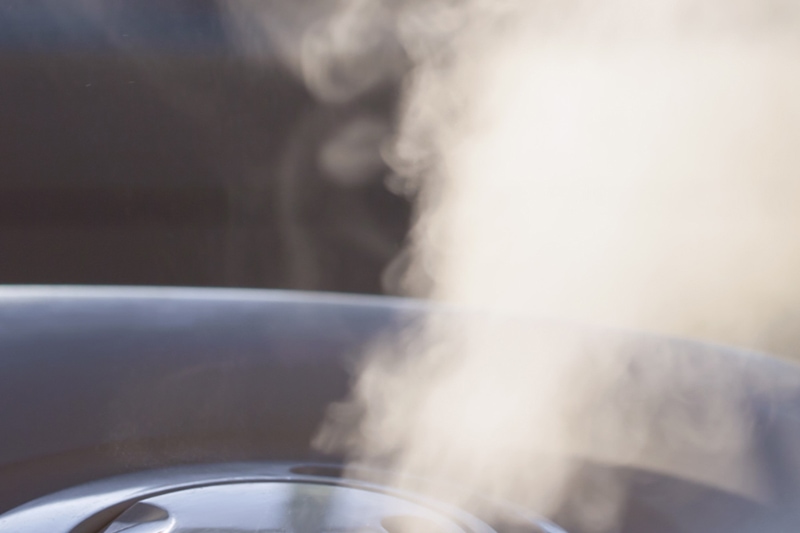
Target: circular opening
414, 524
143, 512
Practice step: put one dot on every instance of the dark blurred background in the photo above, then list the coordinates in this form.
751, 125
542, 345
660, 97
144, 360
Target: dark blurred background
141, 145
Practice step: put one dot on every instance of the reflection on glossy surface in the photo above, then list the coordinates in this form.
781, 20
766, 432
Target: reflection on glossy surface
143, 518
279, 507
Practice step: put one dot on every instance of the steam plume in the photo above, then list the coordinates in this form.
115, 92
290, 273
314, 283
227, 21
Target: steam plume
622, 164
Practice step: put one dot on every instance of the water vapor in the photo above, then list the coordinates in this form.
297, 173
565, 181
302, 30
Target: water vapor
622, 165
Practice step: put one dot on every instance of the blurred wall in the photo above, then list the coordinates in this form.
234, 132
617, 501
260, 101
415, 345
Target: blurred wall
141, 144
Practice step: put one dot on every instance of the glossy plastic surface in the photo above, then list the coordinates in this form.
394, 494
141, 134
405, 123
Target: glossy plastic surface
96, 382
